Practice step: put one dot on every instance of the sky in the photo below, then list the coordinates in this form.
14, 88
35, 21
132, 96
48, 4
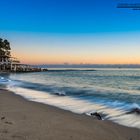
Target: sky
71, 31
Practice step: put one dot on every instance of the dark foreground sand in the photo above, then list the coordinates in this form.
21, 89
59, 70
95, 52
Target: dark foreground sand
24, 120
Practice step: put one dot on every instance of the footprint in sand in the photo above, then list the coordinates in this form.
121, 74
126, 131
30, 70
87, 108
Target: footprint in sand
7, 122
2, 118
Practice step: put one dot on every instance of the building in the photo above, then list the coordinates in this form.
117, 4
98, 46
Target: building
8, 63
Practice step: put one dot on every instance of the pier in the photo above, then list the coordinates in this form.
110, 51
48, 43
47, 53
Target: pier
12, 64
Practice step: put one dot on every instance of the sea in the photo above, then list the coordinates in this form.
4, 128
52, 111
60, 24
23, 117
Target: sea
113, 93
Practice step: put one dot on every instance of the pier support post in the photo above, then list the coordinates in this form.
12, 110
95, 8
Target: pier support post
11, 66
15, 68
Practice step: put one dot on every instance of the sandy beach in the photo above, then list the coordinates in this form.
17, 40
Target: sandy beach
25, 120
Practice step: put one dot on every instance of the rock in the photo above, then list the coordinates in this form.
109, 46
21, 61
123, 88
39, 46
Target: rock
60, 93
2, 118
135, 110
97, 115
44, 69
8, 122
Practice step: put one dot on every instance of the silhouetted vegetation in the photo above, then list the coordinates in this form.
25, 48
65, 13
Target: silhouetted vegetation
5, 48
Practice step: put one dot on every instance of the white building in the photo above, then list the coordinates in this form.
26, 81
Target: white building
8, 63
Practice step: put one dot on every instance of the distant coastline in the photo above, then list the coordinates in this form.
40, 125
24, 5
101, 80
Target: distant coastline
119, 66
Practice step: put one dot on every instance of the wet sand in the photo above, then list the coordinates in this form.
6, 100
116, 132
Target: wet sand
25, 120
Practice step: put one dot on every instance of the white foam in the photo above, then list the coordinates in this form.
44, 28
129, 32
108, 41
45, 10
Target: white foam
78, 106
130, 120
4, 80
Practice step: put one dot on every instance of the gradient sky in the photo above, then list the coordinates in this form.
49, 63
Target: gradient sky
71, 31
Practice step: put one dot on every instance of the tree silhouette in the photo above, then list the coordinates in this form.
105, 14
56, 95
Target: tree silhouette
4, 48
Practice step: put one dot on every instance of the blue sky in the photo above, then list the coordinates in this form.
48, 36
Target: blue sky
67, 16
60, 24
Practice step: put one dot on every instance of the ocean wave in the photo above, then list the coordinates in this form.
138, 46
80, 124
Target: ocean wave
3, 79
111, 93
117, 115
101, 95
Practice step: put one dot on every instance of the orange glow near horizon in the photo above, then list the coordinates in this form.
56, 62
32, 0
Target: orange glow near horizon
76, 59
92, 49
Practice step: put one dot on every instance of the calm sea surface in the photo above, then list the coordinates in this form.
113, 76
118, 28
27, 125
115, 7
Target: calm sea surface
114, 93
